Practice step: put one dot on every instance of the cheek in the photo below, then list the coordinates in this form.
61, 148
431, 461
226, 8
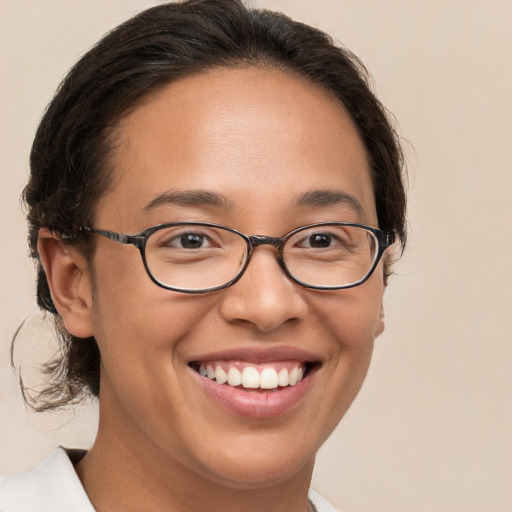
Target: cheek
143, 332
149, 322
354, 316
135, 321
350, 319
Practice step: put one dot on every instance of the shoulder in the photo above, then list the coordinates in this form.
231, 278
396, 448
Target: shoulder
320, 503
53, 486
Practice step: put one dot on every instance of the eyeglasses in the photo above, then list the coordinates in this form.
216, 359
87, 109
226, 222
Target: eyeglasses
199, 257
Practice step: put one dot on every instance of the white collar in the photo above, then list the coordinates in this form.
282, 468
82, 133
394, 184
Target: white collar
53, 486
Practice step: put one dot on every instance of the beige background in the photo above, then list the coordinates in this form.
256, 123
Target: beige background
431, 430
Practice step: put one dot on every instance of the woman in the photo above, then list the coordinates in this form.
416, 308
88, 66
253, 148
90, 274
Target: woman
213, 197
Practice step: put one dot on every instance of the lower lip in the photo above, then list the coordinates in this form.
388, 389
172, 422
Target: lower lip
255, 403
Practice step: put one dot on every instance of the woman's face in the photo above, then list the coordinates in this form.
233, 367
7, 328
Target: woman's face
258, 141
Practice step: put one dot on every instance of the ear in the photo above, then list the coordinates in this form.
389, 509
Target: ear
379, 327
70, 283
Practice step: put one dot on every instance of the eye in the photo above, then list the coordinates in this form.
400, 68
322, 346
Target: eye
184, 238
319, 240
188, 240
323, 240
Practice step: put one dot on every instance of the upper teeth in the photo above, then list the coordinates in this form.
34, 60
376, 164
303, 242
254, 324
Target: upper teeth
251, 377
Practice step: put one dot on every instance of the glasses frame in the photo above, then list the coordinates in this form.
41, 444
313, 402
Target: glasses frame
384, 239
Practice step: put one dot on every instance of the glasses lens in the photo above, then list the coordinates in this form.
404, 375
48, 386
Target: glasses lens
331, 255
195, 256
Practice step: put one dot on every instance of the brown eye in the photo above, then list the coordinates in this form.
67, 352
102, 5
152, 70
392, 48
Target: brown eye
320, 240
191, 241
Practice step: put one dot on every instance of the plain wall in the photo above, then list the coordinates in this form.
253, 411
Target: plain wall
431, 429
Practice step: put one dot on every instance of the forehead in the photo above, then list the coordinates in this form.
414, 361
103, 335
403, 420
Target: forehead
260, 138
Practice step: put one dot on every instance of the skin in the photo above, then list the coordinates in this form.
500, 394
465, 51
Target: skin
261, 138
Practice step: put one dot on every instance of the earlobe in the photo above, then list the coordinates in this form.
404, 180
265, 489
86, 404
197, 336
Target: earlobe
69, 281
379, 328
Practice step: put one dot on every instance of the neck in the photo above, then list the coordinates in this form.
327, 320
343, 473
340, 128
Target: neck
123, 472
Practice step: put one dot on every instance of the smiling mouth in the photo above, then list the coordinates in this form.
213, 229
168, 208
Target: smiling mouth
267, 376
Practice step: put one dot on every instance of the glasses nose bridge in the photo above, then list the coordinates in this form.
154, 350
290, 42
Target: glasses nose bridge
257, 240
276, 242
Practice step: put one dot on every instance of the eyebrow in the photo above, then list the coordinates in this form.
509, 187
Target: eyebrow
314, 198
318, 198
189, 198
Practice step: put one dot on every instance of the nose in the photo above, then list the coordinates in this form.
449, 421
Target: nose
264, 297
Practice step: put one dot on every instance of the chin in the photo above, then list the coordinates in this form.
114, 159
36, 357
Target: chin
261, 472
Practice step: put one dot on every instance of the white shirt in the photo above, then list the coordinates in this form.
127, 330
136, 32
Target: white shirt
54, 486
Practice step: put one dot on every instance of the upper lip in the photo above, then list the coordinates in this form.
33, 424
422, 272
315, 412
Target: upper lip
258, 355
